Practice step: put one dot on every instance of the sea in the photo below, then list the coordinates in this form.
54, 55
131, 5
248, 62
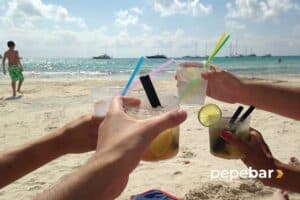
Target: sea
122, 67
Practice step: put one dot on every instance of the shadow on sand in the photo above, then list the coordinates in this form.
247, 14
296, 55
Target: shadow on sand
13, 98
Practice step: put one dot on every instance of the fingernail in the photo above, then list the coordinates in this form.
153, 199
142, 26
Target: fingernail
181, 111
226, 135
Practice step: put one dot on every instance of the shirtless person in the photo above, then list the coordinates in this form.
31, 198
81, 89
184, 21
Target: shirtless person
15, 67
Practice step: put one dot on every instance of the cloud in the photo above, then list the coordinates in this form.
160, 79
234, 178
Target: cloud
146, 27
125, 18
260, 10
137, 10
232, 24
189, 7
23, 11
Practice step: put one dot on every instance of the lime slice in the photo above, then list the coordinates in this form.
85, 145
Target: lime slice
162, 143
209, 114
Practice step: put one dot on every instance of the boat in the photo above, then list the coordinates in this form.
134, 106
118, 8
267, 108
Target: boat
191, 57
104, 56
157, 57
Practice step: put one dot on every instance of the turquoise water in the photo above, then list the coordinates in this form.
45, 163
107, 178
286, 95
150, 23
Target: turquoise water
87, 67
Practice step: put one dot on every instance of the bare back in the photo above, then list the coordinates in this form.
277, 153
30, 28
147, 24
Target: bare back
13, 57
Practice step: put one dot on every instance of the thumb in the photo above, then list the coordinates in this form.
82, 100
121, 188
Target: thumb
234, 140
165, 121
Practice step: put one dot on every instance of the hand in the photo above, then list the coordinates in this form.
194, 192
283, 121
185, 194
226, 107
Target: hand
126, 139
80, 135
223, 85
257, 152
4, 72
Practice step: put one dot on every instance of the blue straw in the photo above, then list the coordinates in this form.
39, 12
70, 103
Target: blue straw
133, 74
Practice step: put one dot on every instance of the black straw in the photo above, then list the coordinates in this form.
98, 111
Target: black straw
247, 113
235, 115
150, 91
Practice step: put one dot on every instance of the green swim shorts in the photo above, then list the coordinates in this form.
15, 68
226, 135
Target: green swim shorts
15, 73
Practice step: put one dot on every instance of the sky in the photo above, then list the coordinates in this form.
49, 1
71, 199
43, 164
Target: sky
120, 28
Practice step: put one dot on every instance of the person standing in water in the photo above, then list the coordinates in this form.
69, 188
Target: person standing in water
15, 67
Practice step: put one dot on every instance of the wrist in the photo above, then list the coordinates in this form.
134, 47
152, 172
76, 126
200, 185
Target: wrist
277, 167
104, 166
58, 143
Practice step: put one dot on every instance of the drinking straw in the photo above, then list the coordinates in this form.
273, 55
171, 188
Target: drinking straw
154, 72
235, 115
150, 91
133, 74
219, 47
223, 39
219, 42
247, 113
192, 83
161, 67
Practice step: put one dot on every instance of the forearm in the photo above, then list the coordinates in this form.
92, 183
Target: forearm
277, 99
95, 180
26, 158
290, 179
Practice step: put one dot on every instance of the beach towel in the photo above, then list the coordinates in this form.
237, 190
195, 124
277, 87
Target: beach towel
154, 195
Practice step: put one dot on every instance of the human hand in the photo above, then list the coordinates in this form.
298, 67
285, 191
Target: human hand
4, 72
256, 151
126, 139
80, 135
223, 85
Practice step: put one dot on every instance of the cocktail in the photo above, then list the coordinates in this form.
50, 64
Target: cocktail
218, 146
166, 144
210, 116
191, 86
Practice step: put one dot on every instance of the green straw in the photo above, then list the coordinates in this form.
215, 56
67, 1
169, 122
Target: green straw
217, 49
192, 83
222, 44
223, 39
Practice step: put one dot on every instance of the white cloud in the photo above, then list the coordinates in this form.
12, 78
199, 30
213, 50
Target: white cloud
146, 27
232, 24
137, 10
61, 42
125, 18
260, 10
189, 7
22, 11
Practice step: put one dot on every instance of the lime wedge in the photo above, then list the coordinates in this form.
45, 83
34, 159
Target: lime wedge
209, 114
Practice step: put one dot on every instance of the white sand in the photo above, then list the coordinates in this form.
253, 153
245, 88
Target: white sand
48, 104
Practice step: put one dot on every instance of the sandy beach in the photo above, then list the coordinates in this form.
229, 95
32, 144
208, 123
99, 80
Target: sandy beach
49, 103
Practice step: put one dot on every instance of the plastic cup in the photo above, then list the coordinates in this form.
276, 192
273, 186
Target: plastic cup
101, 106
218, 146
191, 87
166, 144
102, 98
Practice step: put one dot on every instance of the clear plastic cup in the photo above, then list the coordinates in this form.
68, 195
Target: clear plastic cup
191, 87
219, 147
102, 98
166, 144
